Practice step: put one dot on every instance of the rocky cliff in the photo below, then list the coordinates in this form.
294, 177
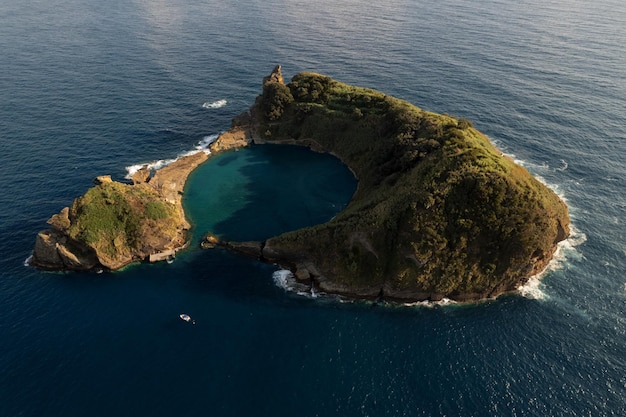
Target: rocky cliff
114, 224
439, 211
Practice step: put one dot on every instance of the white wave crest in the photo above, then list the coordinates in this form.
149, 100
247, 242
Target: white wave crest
214, 105
283, 278
27, 260
152, 166
286, 280
533, 289
206, 141
202, 146
563, 166
428, 303
566, 250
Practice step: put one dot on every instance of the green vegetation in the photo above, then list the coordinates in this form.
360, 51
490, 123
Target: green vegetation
438, 209
113, 218
157, 210
276, 97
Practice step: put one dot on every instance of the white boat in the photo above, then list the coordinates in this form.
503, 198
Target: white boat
185, 317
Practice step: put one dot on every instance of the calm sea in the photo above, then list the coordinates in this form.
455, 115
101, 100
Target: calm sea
90, 87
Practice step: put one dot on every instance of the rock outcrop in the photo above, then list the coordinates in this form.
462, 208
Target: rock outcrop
102, 179
142, 175
115, 224
276, 76
54, 250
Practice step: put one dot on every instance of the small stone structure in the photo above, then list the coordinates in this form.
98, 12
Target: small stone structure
162, 256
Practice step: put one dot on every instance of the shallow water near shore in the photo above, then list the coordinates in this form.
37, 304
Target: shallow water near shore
90, 88
265, 190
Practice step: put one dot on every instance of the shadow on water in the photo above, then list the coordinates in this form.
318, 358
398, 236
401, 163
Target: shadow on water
227, 160
253, 194
281, 188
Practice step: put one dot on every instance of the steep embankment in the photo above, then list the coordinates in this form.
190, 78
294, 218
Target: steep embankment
438, 211
114, 224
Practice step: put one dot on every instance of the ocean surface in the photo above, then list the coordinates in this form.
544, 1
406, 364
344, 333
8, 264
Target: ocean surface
90, 87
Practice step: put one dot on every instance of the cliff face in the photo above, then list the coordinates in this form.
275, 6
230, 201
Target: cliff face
438, 212
114, 224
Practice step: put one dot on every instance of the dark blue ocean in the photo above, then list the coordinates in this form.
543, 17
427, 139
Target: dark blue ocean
90, 87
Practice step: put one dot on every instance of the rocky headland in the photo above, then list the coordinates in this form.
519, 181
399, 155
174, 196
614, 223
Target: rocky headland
439, 211
114, 223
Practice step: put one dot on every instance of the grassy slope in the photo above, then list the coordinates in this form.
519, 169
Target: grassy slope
438, 208
115, 220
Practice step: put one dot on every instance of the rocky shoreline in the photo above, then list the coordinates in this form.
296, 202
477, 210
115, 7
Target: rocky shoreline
309, 279
61, 247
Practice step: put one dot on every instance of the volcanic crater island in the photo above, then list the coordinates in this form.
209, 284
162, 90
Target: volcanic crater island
438, 211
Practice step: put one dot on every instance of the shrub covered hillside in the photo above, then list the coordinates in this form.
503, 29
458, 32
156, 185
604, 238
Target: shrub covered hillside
109, 226
116, 220
114, 224
439, 211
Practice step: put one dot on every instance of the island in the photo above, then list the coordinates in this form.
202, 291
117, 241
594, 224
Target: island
438, 211
114, 224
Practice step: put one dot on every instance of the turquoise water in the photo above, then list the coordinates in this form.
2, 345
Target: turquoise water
90, 88
263, 191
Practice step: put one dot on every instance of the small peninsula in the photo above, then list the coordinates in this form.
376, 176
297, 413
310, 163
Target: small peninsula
438, 212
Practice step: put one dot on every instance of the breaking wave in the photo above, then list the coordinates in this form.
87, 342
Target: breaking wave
285, 279
566, 250
214, 105
205, 142
282, 279
201, 146
429, 304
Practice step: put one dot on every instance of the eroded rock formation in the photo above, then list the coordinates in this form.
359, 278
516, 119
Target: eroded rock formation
115, 224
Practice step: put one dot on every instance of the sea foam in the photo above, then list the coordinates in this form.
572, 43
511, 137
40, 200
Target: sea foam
286, 280
566, 250
283, 278
214, 105
201, 146
429, 304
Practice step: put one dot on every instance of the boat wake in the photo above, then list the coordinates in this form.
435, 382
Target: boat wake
214, 105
